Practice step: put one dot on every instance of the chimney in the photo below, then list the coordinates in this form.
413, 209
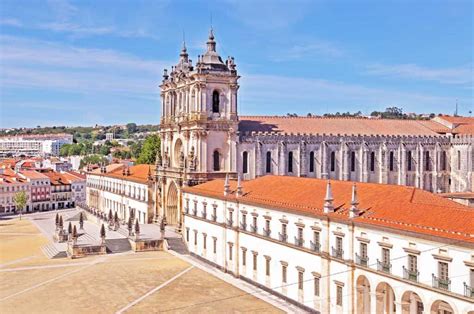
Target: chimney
226, 185
128, 171
354, 210
240, 191
328, 205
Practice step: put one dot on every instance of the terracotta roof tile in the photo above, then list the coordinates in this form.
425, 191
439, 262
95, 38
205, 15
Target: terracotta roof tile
393, 206
138, 173
322, 125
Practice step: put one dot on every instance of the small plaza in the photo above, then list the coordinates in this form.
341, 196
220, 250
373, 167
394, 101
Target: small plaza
115, 282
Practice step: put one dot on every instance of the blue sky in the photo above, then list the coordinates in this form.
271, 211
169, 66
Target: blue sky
87, 62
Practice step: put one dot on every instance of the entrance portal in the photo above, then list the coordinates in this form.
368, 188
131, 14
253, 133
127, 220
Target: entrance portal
172, 205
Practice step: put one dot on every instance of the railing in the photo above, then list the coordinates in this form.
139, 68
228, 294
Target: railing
338, 253
230, 223
194, 212
315, 246
186, 210
299, 242
441, 283
267, 232
468, 291
214, 218
254, 228
243, 226
384, 267
412, 275
283, 237
362, 260
204, 214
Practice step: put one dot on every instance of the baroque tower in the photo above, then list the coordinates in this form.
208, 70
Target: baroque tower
198, 126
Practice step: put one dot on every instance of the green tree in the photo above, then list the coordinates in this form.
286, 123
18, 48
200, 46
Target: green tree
92, 159
150, 147
20, 200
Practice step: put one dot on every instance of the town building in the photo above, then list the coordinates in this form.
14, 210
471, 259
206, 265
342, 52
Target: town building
127, 191
337, 246
61, 190
40, 189
78, 186
33, 145
203, 137
10, 184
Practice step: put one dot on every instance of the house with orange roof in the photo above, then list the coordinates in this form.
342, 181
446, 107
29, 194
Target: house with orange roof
78, 186
61, 190
40, 189
10, 184
336, 246
125, 190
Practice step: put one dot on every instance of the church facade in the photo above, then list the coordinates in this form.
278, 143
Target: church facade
204, 137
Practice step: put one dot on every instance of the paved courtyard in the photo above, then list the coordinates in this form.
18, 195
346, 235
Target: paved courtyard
127, 282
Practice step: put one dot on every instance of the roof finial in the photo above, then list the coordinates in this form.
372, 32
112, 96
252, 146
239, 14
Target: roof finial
328, 205
239, 186
354, 210
226, 185
184, 41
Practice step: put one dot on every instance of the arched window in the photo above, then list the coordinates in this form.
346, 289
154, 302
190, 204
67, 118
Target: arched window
269, 162
409, 158
333, 161
353, 161
311, 162
216, 161
245, 162
443, 160
427, 161
290, 162
372, 161
215, 101
391, 161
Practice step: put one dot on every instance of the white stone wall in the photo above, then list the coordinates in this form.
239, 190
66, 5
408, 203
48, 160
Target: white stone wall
333, 272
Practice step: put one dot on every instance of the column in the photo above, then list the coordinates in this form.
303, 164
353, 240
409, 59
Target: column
419, 168
402, 176
324, 160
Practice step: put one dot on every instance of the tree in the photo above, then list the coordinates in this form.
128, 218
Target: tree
81, 220
110, 215
20, 200
116, 218
102, 231
74, 232
131, 128
69, 228
150, 147
137, 226
60, 222
93, 159
57, 219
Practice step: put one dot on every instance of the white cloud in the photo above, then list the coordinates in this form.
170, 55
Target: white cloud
455, 75
40, 64
11, 22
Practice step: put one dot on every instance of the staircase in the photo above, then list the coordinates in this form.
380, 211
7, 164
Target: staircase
177, 245
117, 245
51, 251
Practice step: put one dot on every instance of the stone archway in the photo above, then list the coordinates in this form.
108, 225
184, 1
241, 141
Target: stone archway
172, 205
411, 303
385, 299
440, 306
363, 295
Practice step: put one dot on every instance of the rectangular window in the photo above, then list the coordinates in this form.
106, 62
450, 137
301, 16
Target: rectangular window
214, 213
363, 250
443, 270
230, 251
300, 233
283, 273
339, 295
187, 235
195, 237
412, 263
244, 257
311, 162
204, 241
338, 243
385, 256
300, 280
214, 248
443, 160
267, 266
245, 167
255, 261
459, 160
316, 286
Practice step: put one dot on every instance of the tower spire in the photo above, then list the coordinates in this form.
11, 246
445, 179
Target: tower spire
354, 210
328, 205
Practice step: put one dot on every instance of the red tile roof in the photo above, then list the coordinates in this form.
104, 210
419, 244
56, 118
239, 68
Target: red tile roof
349, 126
397, 207
57, 178
33, 174
138, 173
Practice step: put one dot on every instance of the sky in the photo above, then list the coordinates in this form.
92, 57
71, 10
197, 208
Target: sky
65, 62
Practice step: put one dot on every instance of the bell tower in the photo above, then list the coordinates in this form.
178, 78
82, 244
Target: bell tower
199, 120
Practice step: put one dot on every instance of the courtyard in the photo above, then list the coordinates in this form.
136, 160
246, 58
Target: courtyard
126, 282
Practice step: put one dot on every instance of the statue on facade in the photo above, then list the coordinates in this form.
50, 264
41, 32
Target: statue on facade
191, 161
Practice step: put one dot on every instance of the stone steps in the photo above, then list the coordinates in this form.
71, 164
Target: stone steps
51, 251
177, 245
